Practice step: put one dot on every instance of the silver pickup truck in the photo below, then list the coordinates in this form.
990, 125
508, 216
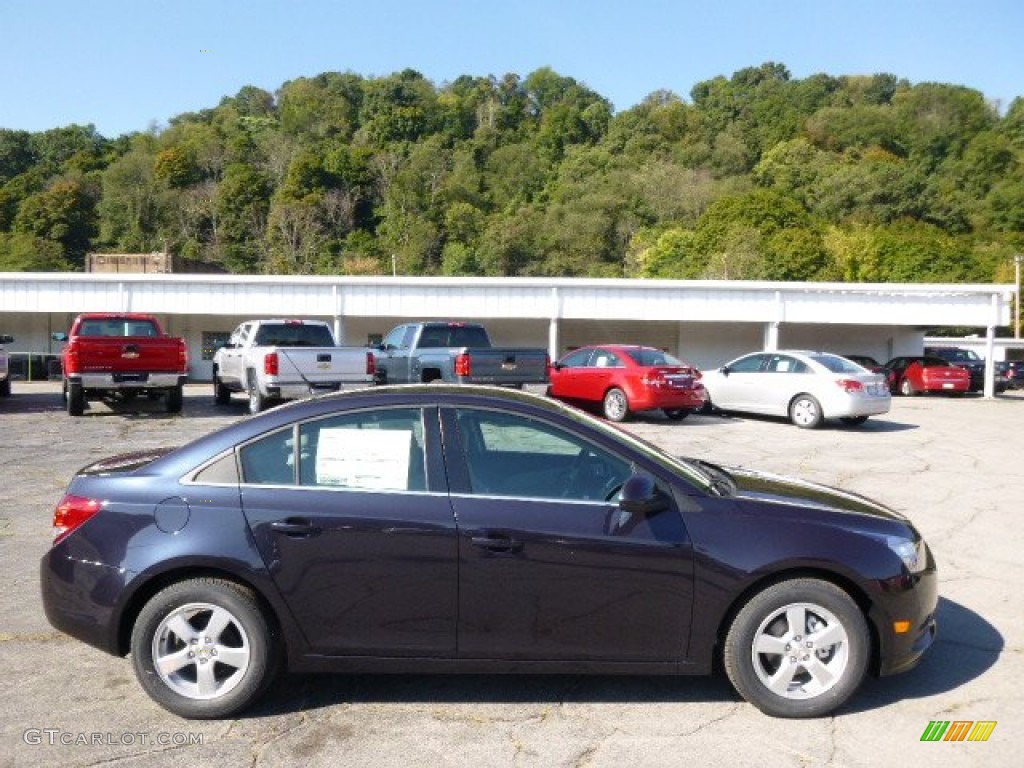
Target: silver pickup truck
274, 360
454, 352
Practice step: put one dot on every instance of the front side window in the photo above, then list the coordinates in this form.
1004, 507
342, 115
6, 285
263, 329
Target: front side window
749, 364
577, 359
379, 450
511, 455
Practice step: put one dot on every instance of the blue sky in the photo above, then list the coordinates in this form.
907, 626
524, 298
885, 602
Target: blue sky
126, 65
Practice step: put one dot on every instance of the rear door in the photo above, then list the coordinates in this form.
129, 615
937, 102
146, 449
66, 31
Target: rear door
549, 569
352, 517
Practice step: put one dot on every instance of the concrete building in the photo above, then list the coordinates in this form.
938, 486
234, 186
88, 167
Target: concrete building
705, 322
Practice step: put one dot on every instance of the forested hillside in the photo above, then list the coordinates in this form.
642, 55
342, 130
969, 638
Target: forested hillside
757, 176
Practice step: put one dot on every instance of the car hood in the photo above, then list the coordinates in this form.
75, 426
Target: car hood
776, 489
764, 487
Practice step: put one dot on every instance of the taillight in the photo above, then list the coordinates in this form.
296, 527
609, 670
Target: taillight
463, 365
850, 385
371, 364
72, 512
71, 359
270, 364
183, 358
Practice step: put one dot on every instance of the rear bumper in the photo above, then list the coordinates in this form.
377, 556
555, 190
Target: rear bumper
117, 381
292, 391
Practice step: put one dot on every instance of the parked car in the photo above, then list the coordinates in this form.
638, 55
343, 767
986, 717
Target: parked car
283, 359
807, 387
622, 379
914, 375
867, 362
476, 529
118, 356
462, 353
969, 360
5, 371
1015, 374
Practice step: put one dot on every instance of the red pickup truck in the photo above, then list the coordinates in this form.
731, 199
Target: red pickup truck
118, 356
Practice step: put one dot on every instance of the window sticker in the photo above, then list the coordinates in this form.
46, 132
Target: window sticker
363, 458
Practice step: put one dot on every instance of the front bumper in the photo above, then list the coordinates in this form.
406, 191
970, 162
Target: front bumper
912, 598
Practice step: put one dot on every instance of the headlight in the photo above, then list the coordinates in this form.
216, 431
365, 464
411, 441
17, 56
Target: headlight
912, 553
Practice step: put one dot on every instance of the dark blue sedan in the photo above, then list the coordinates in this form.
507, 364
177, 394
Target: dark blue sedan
465, 529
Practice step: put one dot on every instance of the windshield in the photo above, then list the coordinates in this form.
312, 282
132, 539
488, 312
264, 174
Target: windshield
649, 357
837, 364
293, 335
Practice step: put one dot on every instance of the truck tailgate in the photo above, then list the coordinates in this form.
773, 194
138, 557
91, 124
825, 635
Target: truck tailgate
508, 366
322, 365
128, 354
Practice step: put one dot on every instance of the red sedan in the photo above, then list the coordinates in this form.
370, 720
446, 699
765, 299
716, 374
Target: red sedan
914, 375
623, 379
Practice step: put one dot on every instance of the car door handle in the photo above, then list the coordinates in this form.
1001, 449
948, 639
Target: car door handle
295, 527
498, 543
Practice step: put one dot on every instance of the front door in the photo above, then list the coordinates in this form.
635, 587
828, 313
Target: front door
550, 568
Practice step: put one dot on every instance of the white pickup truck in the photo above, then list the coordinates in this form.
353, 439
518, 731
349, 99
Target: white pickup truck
5, 373
274, 360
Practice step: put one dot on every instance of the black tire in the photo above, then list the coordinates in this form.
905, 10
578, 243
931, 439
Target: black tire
765, 622
75, 399
805, 412
677, 414
221, 394
5, 388
615, 405
237, 663
907, 388
257, 402
853, 421
175, 399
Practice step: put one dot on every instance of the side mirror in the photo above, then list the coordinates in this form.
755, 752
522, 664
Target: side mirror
59, 336
6, 338
558, 365
640, 496
724, 370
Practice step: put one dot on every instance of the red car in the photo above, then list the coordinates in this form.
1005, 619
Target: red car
914, 375
623, 379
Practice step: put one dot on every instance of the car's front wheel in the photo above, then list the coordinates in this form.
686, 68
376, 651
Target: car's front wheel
907, 388
799, 648
221, 394
203, 648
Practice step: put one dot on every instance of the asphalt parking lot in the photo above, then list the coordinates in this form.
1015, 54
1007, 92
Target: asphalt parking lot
954, 466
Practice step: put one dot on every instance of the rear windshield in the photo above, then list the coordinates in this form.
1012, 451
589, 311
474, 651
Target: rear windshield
293, 335
117, 326
453, 336
652, 357
837, 364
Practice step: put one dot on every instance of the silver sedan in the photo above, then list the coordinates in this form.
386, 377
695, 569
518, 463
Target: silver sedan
806, 387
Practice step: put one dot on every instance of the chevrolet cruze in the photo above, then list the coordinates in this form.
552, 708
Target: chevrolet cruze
466, 529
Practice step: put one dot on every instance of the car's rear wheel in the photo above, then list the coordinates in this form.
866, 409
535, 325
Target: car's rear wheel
799, 648
907, 388
203, 648
175, 399
256, 400
75, 399
805, 412
615, 405
677, 414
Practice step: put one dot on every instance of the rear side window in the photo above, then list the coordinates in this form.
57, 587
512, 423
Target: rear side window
379, 450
